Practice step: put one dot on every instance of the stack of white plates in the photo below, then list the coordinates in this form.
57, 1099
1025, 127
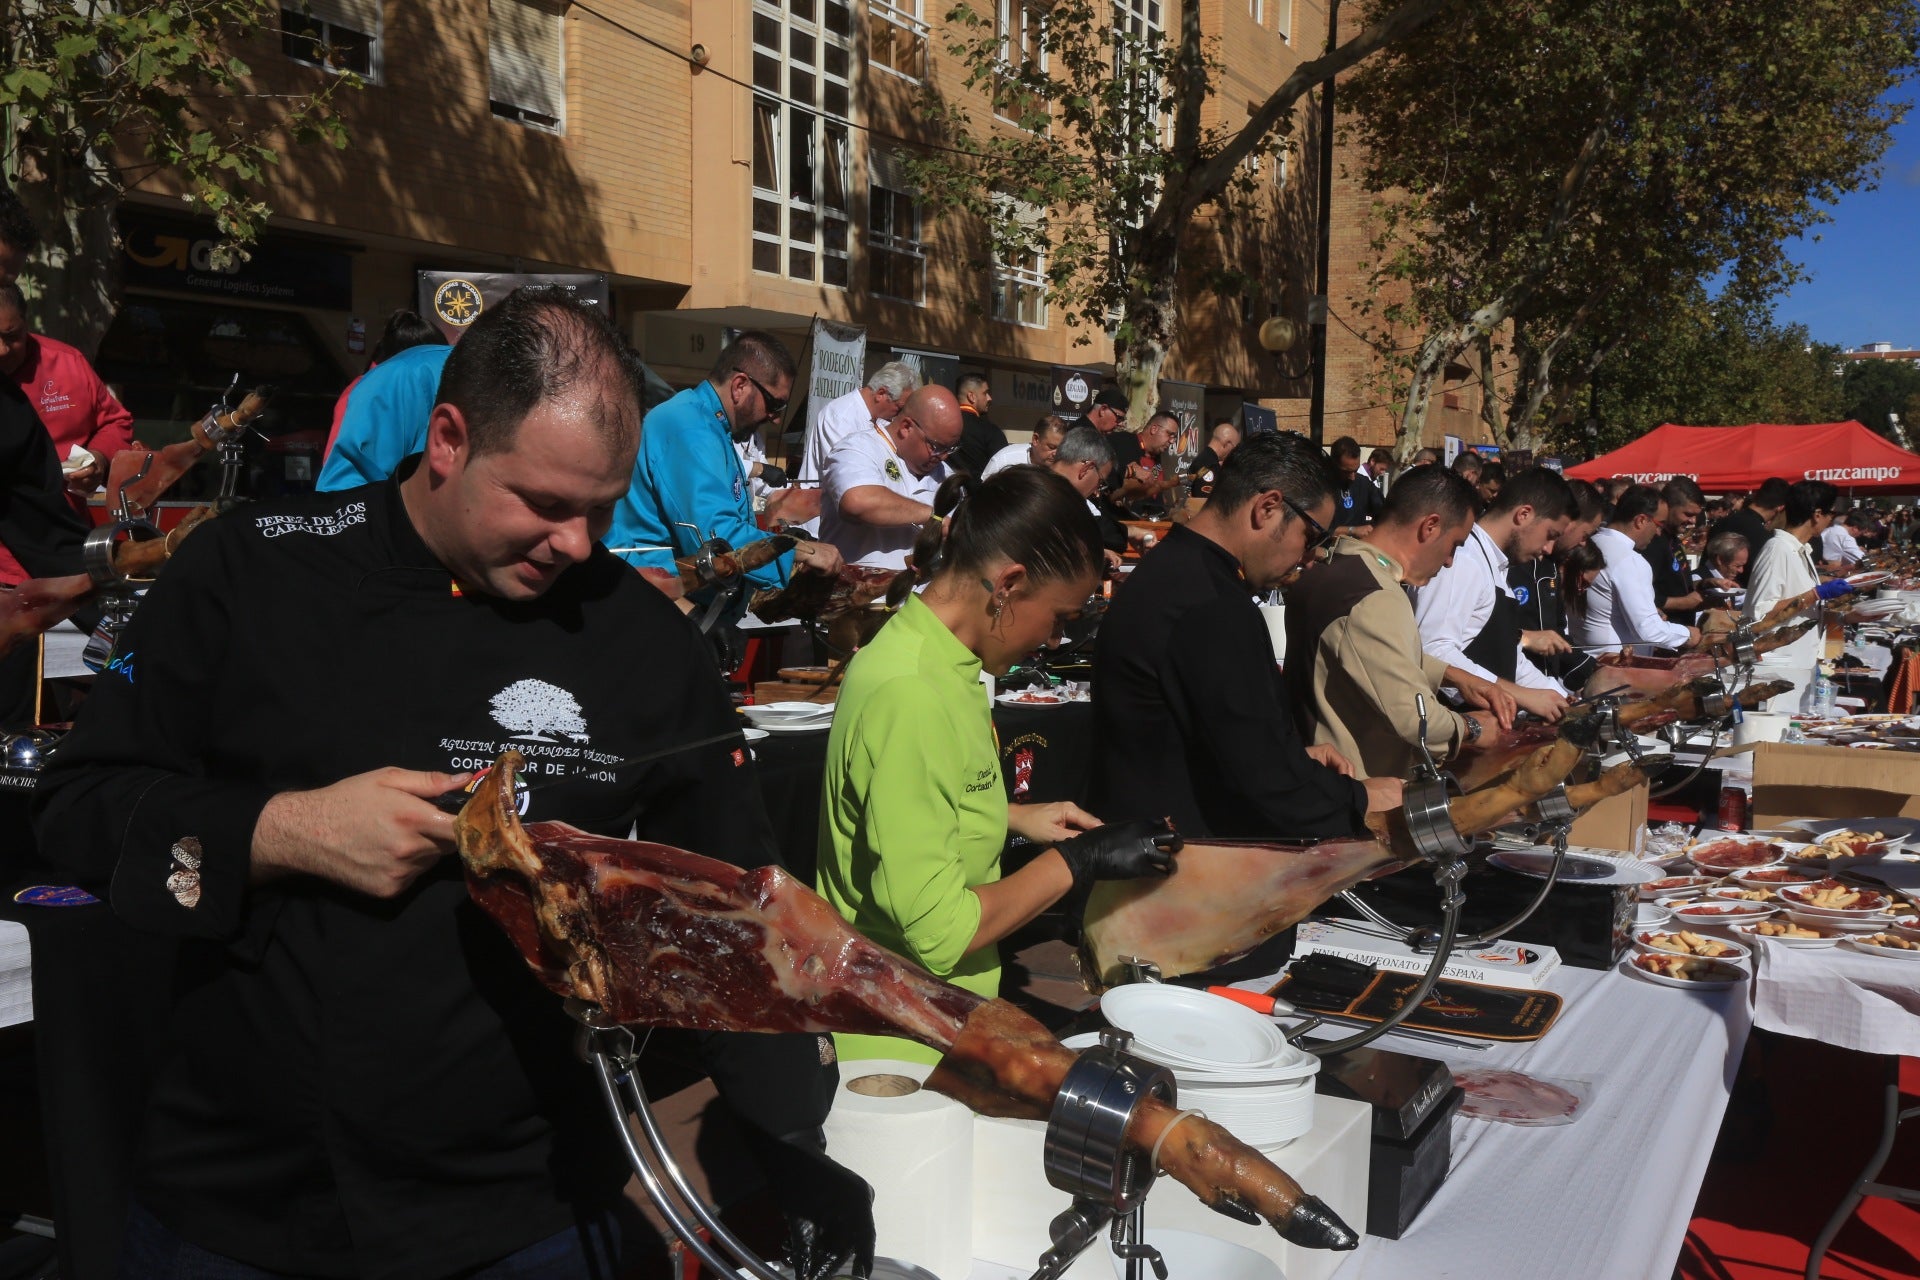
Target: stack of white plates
791, 717
1228, 1061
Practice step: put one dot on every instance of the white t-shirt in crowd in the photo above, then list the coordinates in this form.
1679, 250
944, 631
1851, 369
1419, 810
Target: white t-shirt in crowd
1839, 544
868, 459
1783, 568
840, 419
1620, 608
1013, 455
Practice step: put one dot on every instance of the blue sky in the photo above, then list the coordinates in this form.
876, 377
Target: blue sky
1864, 270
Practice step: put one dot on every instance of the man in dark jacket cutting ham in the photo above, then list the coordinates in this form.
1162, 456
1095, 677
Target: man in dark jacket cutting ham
364, 1079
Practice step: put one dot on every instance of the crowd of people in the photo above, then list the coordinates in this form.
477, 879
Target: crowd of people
363, 1083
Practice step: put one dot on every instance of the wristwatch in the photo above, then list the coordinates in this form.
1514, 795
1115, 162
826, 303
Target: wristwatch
1473, 731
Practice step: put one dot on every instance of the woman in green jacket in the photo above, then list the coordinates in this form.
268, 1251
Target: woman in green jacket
913, 813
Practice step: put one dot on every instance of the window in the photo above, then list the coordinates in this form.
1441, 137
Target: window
897, 37
1283, 18
896, 257
1258, 9
802, 62
1137, 25
1021, 29
526, 79
338, 35
1019, 278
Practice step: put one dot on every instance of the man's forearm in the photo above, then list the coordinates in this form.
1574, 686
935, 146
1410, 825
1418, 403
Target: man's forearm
877, 505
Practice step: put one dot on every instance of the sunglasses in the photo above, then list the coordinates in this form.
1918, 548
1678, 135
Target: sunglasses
1317, 533
937, 451
775, 405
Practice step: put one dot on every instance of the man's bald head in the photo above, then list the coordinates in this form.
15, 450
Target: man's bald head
928, 428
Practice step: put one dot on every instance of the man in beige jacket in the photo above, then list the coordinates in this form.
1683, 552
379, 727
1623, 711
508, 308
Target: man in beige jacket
1354, 661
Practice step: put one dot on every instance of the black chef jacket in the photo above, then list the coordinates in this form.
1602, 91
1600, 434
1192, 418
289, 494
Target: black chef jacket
1749, 524
1359, 503
1191, 718
356, 1087
1671, 575
1536, 589
37, 523
979, 441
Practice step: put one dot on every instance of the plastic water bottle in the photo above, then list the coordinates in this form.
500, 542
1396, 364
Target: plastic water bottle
1823, 705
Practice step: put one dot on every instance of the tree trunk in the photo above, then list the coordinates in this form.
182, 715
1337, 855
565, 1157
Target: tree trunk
74, 279
1147, 330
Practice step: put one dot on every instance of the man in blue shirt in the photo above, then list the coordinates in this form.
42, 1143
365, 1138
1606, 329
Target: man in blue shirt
688, 481
386, 418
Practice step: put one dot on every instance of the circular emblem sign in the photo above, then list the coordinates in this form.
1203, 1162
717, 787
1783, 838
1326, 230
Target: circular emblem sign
458, 303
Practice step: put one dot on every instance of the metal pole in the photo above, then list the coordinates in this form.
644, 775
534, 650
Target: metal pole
1318, 315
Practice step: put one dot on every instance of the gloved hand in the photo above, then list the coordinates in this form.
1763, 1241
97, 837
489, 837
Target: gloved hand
1121, 851
1834, 589
829, 1209
773, 477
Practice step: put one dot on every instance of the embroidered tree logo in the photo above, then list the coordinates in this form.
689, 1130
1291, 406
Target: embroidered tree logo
538, 710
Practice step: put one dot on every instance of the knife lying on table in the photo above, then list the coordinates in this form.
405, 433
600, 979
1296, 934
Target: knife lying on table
1275, 1007
454, 801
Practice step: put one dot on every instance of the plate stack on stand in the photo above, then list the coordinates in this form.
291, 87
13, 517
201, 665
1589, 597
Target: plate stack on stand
1229, 1062
790, 717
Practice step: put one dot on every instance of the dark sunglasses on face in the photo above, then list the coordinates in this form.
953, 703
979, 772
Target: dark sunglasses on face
775, 405
1317, 533
937, 451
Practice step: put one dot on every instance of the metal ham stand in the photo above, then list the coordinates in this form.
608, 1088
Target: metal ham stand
1085, 1155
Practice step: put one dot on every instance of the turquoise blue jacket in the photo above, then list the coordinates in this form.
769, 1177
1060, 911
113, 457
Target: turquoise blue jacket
386, 418
688, 472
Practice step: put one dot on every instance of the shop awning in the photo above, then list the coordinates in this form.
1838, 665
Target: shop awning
1724, 459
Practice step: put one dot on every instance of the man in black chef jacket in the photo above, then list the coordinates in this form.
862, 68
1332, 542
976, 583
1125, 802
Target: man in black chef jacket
364, 1079
1755, 519
1191, 718
1674, 592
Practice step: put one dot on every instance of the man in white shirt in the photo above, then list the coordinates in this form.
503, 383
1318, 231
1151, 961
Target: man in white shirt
1784, 568
1839, 547
879, 484
1468, 615
1039, 451
855, 413
1620, 609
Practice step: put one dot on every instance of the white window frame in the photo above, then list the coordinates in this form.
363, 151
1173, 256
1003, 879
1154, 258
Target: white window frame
1257, 9
528, 114
340, 15
1283, 19
1142, 18
1014, 286
885, 174
1006, 30
827, 132
906, 15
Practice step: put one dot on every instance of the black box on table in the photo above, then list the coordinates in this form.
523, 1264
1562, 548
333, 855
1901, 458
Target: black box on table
1590, 925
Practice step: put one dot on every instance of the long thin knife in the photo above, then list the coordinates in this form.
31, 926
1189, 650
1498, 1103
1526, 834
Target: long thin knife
454, 801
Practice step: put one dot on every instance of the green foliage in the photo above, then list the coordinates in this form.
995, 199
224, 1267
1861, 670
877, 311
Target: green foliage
102, 94
1874, 388
1713, 362
1723, 128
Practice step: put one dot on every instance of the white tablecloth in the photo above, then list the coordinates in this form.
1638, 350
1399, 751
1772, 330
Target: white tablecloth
16, 975
65, 644
1609, 1195
1839, 996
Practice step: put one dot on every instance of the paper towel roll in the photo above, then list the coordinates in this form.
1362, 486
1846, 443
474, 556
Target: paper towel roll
915, 1148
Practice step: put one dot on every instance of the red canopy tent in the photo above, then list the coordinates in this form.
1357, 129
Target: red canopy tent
1726, 459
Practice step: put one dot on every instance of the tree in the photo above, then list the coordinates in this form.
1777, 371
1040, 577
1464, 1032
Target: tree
1099, 158
1557, 176
1875, 388
1715, 361
100, 96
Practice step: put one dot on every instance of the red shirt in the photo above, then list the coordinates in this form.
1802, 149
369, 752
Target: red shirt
76, 408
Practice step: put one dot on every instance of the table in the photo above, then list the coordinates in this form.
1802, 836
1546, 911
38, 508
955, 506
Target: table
1838, 996
1612, 1193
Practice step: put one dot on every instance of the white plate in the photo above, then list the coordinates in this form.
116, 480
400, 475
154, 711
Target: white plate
1735, 951
1907, 927
805, 726
1790, 900
752, 734
1649, 916
1731, 892
1726, 975
1695, 916
789, 713
1748, 879
1872, 924
1905, 828
1018, 698
1619, 868
1665, 892
1807, 944
1206, 1030
1873, 949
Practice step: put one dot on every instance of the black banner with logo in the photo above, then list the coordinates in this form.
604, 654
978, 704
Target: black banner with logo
452, 300
1074, 390
179, 256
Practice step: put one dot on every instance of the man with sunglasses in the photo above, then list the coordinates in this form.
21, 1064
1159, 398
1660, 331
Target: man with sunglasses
689, 483
878, 486
1191, 716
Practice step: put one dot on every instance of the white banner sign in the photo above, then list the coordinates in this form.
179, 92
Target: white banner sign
839, 365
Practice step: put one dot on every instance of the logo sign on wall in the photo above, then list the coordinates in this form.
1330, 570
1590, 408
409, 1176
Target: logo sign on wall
839, 365
1074, 390
1185, 401
180, 257
1258, 419
453, 300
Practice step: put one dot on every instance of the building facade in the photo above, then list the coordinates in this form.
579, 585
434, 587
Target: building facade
724, 163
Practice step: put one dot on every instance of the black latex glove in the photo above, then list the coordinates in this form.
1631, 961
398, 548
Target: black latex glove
773, 477
1121, 851
829, 1209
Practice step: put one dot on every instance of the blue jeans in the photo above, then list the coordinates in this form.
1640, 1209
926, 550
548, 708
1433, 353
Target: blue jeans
592, 1250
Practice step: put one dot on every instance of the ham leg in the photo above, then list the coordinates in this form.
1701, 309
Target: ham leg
658, 936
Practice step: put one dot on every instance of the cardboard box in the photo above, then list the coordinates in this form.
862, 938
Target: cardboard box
1791, 781
1618, 823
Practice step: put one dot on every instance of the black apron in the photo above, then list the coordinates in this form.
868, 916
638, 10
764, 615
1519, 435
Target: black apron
1497, 647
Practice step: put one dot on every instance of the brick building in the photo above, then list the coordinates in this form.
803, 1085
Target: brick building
726, 163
